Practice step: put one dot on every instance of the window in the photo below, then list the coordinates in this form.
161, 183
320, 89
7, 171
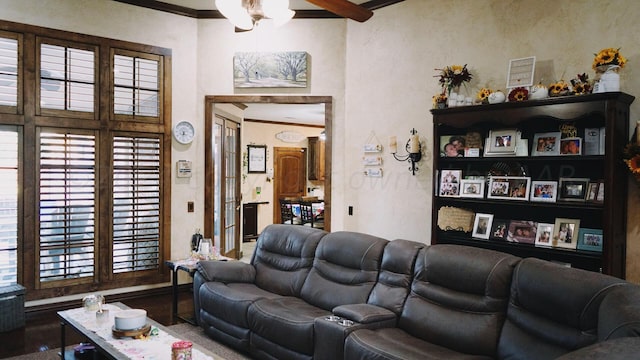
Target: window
67, 78
8, 206
136, 203
67, 205
136, 85
8, 70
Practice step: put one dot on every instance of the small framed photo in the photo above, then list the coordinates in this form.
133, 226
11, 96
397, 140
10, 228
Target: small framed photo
565, 233
452, 145
546, 144
571, 146
482, 226
592, 192
600, 195
590, 239
472, 188
544, 191
502, 141
522, 232
573, 189
257, 159
544, 234
509, 187
521, 72
499, 229
450, 183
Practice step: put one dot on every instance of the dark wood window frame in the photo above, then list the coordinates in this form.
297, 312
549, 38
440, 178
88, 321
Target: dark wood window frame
29, 118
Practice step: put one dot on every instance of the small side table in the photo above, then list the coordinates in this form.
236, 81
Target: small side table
175, 266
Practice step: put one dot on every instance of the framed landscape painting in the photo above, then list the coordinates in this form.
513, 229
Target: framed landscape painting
285, 69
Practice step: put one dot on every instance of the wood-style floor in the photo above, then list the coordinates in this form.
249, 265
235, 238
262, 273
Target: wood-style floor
42, 328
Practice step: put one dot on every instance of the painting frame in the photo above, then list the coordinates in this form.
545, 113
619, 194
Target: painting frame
544, 191
264, 69
257, 159
472, 188
509, 188
482, 226
546, 144
573, 189
565, 233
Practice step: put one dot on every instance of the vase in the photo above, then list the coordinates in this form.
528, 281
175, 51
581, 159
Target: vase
609, 80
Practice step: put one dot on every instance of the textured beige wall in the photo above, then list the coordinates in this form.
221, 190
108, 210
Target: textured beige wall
390, 68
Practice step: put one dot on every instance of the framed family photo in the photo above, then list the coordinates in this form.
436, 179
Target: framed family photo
590, 239
502, 142
544, 191
573, 189
482, 226
571, 146
450, 183
544, 233
566, 233
499, 229
546, 144
470, 188
509, 187
522, 232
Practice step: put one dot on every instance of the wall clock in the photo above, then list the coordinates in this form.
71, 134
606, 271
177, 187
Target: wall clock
184, 132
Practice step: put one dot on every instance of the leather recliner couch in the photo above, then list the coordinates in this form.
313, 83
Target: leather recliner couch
309, 294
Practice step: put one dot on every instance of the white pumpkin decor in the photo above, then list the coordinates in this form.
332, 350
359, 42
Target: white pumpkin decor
496, 97
538, 92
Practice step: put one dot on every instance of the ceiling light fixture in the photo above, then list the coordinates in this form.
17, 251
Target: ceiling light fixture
244, 14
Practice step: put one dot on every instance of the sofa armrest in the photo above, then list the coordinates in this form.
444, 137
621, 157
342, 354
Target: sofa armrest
227, 271
617, 349
619, 313
364, 313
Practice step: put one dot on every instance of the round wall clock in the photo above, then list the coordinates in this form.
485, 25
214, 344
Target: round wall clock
184, 132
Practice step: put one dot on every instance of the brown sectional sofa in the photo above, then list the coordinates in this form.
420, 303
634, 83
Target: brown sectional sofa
309, 294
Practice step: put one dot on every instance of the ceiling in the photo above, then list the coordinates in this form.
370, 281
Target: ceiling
304, 114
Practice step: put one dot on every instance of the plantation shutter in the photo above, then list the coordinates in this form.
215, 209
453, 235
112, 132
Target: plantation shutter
67, 196
8, 205
8, 71
136, 203
136, 88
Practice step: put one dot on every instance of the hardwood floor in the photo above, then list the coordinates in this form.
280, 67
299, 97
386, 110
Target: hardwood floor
42, 328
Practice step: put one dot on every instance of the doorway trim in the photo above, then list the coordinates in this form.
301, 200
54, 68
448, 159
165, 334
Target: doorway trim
239, 100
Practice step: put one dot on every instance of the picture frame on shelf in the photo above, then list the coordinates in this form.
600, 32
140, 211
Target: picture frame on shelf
546, 144
509, 187
571, 146
544, 191
590, 239
592, 192
499, 229
521, 72
450, 183
502, 142
573, 189
482, 226
600, 195
523, 232
452, 145
470, 188
565, 233
544, 235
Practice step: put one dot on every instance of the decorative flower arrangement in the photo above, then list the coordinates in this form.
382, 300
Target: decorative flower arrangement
439, 99
453, 76
559, 88
607, 57
519, 94
483, 95
581, 84
631, 157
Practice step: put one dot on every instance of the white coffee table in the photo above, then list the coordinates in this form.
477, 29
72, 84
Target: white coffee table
100, 334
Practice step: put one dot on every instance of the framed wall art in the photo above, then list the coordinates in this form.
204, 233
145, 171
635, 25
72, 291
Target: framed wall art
257, 159
285, 69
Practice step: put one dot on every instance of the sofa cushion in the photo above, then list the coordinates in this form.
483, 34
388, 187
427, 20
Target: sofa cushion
459, 298
396, 344
552, 310
286, 321
344, 271
396, 274
283, 256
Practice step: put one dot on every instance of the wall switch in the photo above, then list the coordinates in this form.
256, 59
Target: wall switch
350, 210
190, 206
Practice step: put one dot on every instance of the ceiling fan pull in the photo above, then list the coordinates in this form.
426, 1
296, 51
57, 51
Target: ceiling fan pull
345, 9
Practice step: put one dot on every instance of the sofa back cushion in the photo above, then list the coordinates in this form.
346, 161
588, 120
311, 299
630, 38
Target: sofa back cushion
553, 310
396, 274
283, 257
344, 270
459, 298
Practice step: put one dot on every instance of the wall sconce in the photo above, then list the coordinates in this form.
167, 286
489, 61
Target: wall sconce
413, 148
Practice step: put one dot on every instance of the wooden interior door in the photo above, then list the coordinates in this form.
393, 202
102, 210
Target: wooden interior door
289, 175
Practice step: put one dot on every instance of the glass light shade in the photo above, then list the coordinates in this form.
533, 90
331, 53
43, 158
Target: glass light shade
235, 13
283, 17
